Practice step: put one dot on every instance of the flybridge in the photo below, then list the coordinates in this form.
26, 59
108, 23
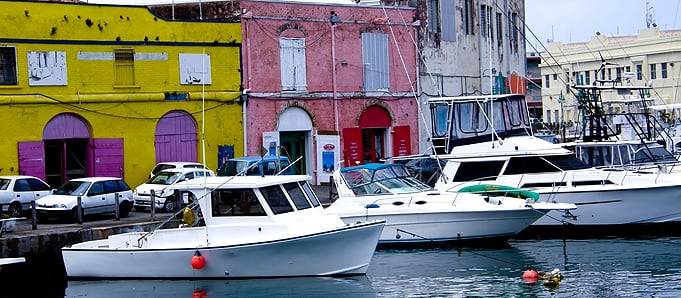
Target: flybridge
473, 119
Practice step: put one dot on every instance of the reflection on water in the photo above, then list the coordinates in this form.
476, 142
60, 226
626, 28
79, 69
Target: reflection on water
592, 268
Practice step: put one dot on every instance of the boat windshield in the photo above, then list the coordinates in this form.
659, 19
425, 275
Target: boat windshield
393, 179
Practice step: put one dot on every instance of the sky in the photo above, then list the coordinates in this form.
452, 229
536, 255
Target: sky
558, 20
578, 20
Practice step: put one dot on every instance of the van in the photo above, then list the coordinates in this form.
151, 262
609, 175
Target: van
246, 166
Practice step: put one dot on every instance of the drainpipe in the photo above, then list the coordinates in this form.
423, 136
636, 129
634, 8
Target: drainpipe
244, 97
333, 61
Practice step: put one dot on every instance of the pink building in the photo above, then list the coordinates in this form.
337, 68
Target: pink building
329, 83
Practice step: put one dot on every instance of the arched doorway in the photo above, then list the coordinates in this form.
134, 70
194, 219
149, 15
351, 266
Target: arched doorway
175, 138
66, 138
375, 138
295, 129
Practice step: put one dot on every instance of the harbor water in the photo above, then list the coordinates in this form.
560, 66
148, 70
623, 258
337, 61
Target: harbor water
615, 267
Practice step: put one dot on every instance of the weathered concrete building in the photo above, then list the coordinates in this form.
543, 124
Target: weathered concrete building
470, 47
100, 90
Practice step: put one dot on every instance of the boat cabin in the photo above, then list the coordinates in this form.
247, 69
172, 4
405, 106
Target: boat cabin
467, 120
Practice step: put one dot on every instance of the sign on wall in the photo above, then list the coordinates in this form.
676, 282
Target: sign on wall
47, 69
195, 69
328, 155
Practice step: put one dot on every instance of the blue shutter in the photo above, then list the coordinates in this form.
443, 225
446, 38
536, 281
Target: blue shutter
448, 18
375, 60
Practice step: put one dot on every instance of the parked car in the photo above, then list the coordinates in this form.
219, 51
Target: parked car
17, 193
98, 195
160, 183
246, 166
175, 165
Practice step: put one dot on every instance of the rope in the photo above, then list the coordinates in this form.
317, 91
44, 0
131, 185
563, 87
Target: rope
447, 245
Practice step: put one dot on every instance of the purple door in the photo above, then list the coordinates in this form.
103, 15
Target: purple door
108, 157
176, 138
32, 159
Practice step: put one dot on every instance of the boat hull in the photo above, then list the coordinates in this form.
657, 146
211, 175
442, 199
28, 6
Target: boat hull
625, 206
352, 248
433, 227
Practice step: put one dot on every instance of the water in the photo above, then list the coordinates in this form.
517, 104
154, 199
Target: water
615, 267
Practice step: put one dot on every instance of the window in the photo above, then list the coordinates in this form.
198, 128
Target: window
514, 28
8, 66
276, 199
627, 68
447, 12
236, 202
587, 77
293, 64
609, 74
500, 32
375, 61
663, 70
546, 81
484, 170
433, 16
555, 76
297, 195
618, 72
639, 72
468, 17
310, 194
653, 71
486, 21
124, 60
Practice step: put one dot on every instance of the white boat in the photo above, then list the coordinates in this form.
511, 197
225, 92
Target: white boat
415, 213
255, 227
510, 155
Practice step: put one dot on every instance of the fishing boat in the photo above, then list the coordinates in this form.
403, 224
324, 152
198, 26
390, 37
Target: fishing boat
248, 227
487, 139
622, 131
415, 213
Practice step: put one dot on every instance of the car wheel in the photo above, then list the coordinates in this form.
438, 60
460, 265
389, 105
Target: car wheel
14, 209
124, 209
169, 205
139, 208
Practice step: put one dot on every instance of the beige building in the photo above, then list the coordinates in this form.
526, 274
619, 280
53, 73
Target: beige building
652, 57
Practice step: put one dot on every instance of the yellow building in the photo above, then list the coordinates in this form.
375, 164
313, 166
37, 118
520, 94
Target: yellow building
98, 90
652, 58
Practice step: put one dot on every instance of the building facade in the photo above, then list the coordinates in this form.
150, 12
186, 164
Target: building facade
469, 47
99, 90
329, 85
650, 58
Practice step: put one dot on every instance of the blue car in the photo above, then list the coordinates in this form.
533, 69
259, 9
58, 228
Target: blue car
256, 166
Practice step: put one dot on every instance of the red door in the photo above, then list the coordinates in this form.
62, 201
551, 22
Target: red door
352, 146
401, 141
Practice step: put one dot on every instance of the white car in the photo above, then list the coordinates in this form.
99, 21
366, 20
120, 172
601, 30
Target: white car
175, 165
160, 184
98, 195
17, 193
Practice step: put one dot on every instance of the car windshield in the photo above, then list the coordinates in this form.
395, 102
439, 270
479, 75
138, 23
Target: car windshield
73, 188
165, 178
232, 168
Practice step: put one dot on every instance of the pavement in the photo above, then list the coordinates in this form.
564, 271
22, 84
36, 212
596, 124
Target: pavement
24, 226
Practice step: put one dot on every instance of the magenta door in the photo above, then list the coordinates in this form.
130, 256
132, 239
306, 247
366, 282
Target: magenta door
176, 138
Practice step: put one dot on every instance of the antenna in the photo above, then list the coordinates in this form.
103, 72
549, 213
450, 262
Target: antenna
649, 15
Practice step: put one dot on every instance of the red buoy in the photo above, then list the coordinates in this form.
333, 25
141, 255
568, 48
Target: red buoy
198, 261
199, 294
530, 275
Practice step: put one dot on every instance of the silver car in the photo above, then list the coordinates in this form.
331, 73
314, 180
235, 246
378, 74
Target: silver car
17, 193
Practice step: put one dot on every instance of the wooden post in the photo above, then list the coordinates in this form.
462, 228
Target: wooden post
178, 200
153, 205
79, 210
34, 216
118, 206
